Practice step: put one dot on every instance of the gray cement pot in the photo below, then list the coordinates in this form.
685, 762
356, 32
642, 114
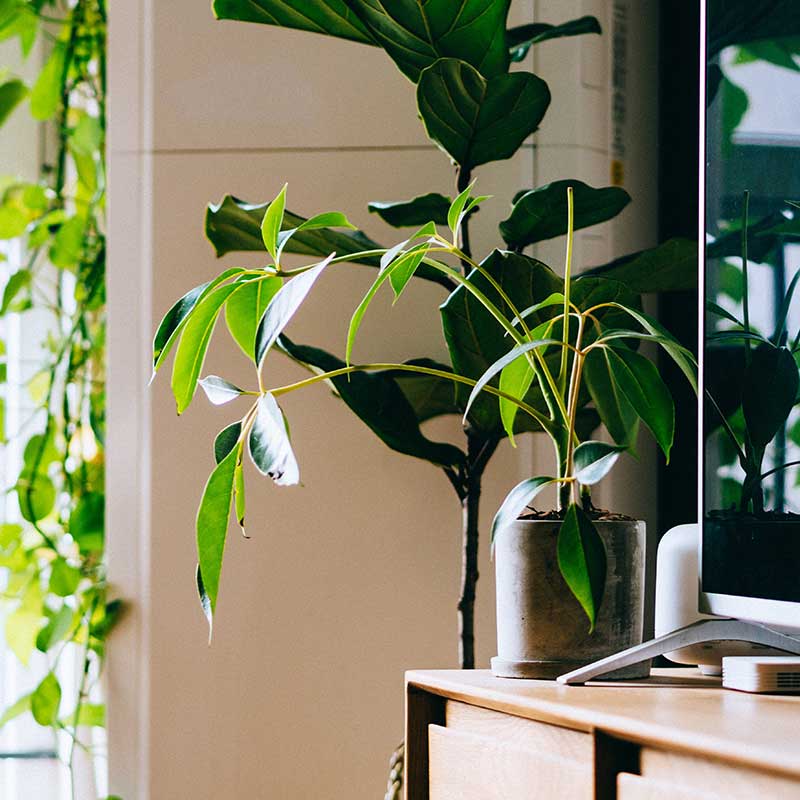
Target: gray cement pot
542, 632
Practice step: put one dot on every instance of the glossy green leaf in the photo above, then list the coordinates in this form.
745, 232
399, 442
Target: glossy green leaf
430, 207
66, 250
331, 17
270, 447
582, 561
616, 413
718, 310
64, 578
193, 344
219, 391
87, 522
429, 396
378, 401
90, 715
12, 93
212, 527
769, 392
669, 267
272, 223
283, 307
403, 269
639, 380
456, 210
13, 222
174, 320
542, 213
326, 221
517, 500
594, 460
475, 120
46, 92
521, 38
244, 310
56, 629
515, 379
226, 440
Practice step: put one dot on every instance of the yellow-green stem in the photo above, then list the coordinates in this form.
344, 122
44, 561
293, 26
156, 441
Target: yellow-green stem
562, 373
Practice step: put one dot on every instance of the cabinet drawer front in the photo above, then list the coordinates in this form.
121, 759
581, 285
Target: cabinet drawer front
635, 787
467, 766
706, 777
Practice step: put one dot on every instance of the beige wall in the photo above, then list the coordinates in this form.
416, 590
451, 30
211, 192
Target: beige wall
351, 578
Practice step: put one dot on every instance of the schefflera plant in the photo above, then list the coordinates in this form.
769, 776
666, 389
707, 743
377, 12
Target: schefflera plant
541, 375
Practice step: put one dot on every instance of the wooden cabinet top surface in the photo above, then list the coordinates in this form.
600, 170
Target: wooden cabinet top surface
676, 709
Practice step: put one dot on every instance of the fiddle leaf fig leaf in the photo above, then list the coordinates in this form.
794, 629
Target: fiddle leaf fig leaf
272, 222
176, 317
517, 500
430, 207
522, 38
594, 460
244, 310
582, 561
46, 699
212, 529
193, 344
219, 391
476, 120
769, 392
331, 17
377, 400
270, 448
542, 213
639, 380
283, 306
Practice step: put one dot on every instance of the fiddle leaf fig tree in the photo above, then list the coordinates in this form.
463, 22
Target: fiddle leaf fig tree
458, 57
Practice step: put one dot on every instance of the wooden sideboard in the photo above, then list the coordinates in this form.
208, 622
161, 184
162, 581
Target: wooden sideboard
676, 736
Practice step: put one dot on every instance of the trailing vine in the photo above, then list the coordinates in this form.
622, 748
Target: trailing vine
52, 529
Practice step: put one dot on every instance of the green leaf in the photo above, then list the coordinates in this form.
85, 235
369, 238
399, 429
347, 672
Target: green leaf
272, 223
475, 120
331, 17
474, 337
12, 93
403, 269
56, 629
456, 210
270, 448
594, 460
36, 495
769, 393
508, 359
46, 92
430, 396
430, 207
68, 243
616, 413
639, 380
734, 104
226, 440
542, 213
521, 38
377, 400
23, 624
244, 310
212, 527
193, 344
517, 500
20, 280
283, 307
46, 699
174, 320
582, 561
18, 709
87, 522
64, 579
239, 495
219, 391
330, 219
90, 715
13, 222
718, 310
515, 379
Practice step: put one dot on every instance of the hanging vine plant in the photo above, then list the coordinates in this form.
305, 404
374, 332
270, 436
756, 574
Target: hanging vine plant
52, 531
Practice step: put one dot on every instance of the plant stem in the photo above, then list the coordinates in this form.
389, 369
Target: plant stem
479, 451
745, 282
463, 179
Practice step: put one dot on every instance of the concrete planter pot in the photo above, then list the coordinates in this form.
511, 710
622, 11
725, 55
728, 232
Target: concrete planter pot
542, 632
